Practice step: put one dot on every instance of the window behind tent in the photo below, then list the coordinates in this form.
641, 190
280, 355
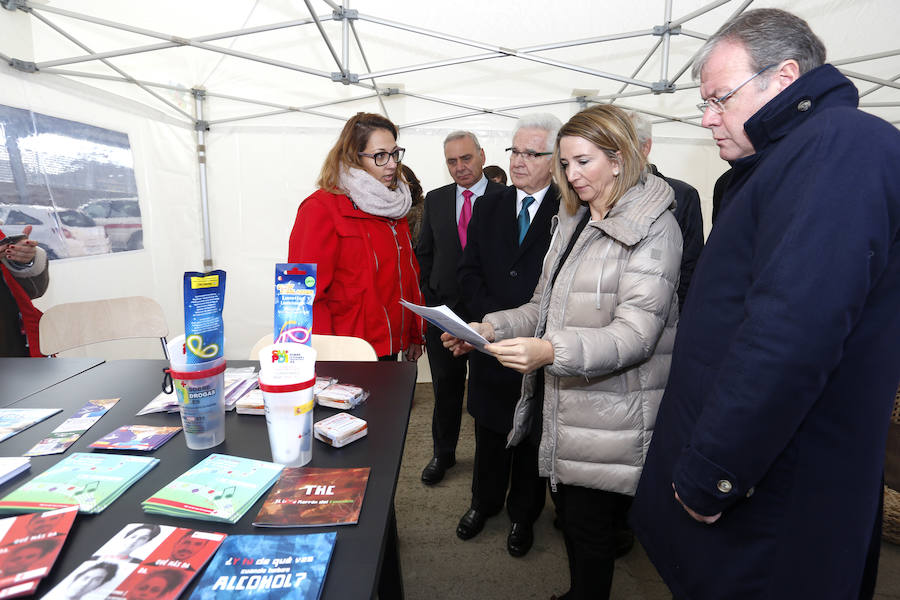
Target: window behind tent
74, 182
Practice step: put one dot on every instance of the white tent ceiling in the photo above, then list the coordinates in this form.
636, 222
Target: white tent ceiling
473, 63
487, 63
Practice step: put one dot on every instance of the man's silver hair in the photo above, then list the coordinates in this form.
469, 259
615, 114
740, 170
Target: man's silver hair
769, 35
460, 134
545, 121
642, 127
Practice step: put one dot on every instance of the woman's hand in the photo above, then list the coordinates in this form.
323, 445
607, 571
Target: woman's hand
22, 252
458, 347
522, 354
414, 352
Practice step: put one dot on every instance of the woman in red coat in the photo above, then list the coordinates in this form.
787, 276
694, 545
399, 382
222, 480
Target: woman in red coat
354, 228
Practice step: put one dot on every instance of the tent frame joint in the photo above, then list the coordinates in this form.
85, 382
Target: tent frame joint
662, 87
341, 13
660, 30
26, 66
12, 5
201, 125
345, 78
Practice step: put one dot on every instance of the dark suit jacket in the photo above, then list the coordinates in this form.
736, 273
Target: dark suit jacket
495, 274
690, 219
439, 250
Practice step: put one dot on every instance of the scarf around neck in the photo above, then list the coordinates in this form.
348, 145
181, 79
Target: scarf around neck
373, 197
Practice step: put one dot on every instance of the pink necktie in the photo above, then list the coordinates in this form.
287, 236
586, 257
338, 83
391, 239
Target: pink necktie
464, 215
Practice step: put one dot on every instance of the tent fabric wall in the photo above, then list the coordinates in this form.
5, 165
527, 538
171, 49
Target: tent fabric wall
260, 169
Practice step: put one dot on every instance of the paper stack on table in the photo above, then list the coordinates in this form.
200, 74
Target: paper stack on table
218, 488
92, 481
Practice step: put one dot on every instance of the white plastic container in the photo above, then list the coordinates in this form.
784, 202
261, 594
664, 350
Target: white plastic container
287, 375
200, 388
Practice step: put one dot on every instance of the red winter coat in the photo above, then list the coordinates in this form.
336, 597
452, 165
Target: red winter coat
365, 266
31, 316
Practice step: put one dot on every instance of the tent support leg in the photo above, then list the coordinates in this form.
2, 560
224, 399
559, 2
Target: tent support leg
201, 127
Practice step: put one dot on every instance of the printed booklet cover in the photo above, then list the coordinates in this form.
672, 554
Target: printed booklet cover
143, 560
10, 466
29, 545
268, 567
136, 437
218, 488
92, 481
68, 432
311, 496
14, 420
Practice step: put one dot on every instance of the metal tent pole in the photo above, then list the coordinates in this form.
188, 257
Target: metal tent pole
201, 127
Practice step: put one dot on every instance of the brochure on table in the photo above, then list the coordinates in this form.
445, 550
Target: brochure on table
92, 481
311, 496
29, 545
72, 428
269, 567
218, 488
14, 420
142, 560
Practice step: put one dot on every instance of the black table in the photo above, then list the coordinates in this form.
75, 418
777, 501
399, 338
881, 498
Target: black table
22, 377
365, 556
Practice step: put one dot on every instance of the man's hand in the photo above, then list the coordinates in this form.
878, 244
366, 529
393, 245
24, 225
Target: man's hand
695, 515
522, 354
21, 252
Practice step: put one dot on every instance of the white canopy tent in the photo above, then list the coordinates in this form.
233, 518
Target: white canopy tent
263, 87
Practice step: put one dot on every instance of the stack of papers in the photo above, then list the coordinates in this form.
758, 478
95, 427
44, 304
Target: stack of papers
92, 481
12, 466
29, 545
218, 488
136, 437
14, 420
239, 382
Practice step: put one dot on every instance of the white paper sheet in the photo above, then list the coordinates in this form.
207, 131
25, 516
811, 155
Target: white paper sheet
447, 320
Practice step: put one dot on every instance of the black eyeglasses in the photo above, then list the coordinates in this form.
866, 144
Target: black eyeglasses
381, 158
718, 104
528, 155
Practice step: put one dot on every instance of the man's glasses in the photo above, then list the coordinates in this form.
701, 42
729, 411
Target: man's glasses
718, 104
381, 158
527, 155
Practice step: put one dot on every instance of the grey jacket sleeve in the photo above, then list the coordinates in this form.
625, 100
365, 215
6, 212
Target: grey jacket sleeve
33, 278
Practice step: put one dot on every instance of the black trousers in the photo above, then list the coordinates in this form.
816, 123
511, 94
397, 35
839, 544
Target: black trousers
498, 469
588, 518
448, 378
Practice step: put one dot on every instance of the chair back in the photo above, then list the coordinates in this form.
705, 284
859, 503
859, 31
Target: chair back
329, 347
74, 324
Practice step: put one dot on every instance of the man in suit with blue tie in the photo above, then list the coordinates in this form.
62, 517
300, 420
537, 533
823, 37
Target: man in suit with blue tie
445, 221
507, 239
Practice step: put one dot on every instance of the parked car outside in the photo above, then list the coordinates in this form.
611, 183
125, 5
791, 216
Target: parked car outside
46, 228
80, 229
122, 219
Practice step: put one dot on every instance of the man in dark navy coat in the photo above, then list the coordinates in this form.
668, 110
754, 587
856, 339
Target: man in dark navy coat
447, 213
508, 238
763, 478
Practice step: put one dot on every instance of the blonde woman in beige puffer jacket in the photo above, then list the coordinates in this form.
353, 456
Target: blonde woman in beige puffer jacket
598, 331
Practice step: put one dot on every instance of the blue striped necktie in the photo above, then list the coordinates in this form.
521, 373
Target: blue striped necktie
524, 218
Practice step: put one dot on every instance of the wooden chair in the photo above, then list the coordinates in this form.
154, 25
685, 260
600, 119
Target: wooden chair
76, 324
329, 347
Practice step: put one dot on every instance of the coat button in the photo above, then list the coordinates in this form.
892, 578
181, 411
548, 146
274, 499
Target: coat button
513, 273
724, 486
804, 105
750, 491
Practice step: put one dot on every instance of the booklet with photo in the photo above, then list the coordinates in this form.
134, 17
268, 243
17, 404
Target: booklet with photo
218, 488
14, 420
29, 545
68, 432
92, 481
143, 560
136, 437
312, 496
290, 567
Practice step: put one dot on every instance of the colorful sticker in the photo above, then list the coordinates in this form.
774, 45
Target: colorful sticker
295, 290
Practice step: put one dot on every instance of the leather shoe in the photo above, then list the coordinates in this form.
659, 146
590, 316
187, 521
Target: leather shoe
436, 468
470, 524
520, 539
